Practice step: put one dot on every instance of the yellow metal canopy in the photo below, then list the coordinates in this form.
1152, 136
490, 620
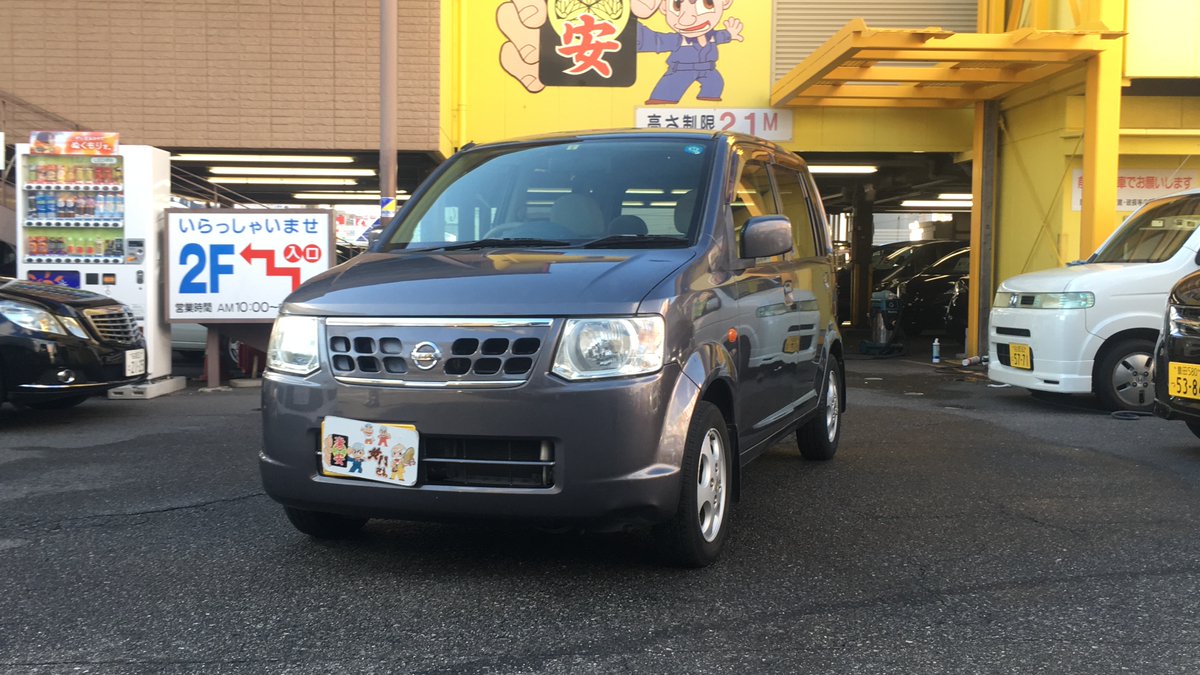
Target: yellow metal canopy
929, 67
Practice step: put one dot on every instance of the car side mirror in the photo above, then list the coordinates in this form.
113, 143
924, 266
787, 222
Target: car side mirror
766, 236
1198, 257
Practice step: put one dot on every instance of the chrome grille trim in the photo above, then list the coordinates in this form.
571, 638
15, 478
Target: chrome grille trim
431, 385
113, 324
435, 352
439, 323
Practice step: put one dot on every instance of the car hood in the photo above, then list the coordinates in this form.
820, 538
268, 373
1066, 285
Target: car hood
495, 282
55, 298
1088, 277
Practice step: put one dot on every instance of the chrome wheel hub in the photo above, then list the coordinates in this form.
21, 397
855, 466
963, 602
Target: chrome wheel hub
1132, 381
833, 407
710, 485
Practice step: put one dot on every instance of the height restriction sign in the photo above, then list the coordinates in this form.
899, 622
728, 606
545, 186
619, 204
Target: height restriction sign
239, 265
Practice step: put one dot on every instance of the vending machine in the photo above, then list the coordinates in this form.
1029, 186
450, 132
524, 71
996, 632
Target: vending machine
90, 216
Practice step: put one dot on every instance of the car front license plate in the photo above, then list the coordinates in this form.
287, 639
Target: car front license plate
1183, 380
1020, 356
135, 362
370, 450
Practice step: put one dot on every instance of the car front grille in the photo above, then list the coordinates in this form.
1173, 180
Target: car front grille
435, 352
487, 462
113, 324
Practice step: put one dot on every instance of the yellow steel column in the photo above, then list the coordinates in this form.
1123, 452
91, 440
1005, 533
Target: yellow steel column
1101, 131
983, 188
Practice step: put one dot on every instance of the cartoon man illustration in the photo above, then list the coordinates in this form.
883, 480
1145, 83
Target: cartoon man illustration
357, 455
692, 47
384, 437
692, 44
402, 457
368, 432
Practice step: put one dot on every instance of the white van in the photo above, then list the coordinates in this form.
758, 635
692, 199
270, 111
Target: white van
1091, 327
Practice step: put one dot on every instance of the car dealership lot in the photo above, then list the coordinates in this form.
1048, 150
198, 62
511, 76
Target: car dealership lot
960, 528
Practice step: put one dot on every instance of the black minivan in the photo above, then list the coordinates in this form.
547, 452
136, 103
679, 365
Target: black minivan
597, 329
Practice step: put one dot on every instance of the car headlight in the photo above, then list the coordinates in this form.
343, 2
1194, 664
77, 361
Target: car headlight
74, 327
31, 318
293, 347
1183, 320
1076, 300
610, 347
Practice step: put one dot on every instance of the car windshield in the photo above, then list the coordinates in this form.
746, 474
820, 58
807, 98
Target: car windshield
891, 261
958, 262
1155, 233
602, 193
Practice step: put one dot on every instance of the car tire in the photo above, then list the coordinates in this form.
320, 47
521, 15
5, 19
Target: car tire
57, 403
324, 525
695, 535
1122, 378
818, 438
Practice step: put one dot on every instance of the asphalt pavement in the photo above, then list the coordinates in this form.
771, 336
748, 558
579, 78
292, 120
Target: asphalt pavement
961, 528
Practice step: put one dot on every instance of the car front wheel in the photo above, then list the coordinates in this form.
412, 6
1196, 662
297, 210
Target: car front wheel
1123, 379
694, 537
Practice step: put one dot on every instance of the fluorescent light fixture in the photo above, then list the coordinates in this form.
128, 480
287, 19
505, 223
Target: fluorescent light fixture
633, 203
259, 180
664, 203
936, 203
640, 191
307, 159
550, 191
287, 171
334, 196
960, 196
842, 168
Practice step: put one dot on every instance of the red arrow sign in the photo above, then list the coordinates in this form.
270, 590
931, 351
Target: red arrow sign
272, 270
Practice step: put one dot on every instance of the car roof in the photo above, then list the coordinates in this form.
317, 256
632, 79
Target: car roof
632, 134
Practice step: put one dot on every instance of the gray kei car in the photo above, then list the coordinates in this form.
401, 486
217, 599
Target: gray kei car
595, 329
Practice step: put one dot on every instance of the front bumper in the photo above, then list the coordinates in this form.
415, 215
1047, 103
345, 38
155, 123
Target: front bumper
1062, 348
32, 367
1175, 347
617, 446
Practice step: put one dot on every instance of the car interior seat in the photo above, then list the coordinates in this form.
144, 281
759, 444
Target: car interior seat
685, 206
579, 213
627, 225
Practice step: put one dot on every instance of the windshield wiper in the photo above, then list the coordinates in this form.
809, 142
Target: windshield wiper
518, 242
634, 241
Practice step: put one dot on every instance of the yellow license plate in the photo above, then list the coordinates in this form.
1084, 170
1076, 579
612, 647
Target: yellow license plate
1020, 356
1183, 380
791, 344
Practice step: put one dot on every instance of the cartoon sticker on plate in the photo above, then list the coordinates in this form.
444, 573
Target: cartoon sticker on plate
352, 449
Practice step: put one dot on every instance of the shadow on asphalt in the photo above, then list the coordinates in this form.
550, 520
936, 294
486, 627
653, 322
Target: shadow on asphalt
408, 546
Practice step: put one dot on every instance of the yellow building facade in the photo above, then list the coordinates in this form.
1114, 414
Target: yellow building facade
1095, 103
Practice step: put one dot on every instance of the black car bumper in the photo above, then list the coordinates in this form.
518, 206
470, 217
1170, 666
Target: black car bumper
37, 369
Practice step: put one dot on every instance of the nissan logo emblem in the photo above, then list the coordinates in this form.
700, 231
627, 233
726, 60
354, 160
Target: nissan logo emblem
426, 355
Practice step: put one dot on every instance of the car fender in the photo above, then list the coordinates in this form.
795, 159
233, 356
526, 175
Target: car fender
1109, 326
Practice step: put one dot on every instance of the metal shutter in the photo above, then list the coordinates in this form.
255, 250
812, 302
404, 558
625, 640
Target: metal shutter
803, 25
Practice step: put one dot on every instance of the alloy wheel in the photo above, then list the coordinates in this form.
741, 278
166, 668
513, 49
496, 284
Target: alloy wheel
710, 486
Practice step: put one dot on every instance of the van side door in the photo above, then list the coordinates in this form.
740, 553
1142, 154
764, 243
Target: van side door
764, 315
808, 282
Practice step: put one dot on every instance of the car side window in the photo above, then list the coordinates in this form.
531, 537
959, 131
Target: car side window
752, 196
793, 200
